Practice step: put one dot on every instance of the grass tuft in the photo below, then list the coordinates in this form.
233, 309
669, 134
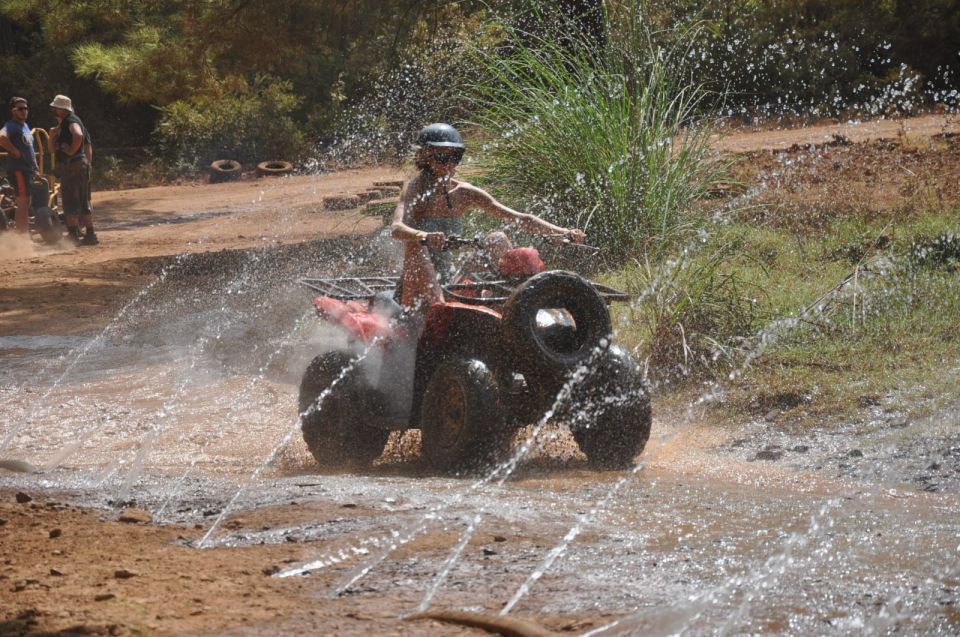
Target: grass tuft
606, 138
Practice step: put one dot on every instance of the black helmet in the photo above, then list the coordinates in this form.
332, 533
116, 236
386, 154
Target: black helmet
439, 136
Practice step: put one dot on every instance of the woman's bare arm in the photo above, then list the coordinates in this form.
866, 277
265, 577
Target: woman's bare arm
401, 231
479, 198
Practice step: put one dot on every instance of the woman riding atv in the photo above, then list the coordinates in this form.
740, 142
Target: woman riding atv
432, 207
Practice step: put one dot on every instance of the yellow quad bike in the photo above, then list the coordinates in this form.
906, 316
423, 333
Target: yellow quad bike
45, 214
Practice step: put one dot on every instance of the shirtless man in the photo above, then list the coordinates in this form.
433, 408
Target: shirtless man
433, 205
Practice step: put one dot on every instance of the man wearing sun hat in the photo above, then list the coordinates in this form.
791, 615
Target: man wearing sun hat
70, 141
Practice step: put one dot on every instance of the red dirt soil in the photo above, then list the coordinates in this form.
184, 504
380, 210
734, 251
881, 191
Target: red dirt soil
64, 569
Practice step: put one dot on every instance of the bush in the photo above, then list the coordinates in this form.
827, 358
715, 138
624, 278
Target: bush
599, 136
691, 313
249, 126
819, 58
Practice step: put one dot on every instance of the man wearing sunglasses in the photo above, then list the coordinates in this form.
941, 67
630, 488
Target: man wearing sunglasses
17, 139
433, 205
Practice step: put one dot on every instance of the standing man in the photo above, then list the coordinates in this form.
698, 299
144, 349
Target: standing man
17, 139
70, 141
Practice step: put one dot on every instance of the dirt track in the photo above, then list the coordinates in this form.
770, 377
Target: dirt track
691, 521
139, 226
67, 290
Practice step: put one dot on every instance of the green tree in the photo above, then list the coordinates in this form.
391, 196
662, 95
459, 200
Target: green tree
296, 62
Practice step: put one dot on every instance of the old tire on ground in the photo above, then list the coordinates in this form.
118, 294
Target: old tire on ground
462, 421
549, 353
224, 170
47, 224
611, 421
335, 413
274, 168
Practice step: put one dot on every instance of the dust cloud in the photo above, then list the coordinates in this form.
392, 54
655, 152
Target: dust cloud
15, 246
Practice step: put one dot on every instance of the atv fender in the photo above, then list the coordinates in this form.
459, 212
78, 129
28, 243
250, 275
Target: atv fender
353, 317
452, 329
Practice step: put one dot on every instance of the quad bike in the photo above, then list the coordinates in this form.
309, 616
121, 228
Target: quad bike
43, 216
493, 356
43, 219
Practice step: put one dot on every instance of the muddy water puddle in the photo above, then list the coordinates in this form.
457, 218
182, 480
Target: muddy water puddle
670, 552
702, 539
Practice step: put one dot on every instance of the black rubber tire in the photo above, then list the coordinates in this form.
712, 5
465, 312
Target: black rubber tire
462, 423
336, 426
47, 225
274, 168
41, 194
224, 170
543, 353
609, 411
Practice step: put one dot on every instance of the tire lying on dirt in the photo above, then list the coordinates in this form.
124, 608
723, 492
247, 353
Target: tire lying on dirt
274, 168
224, 170
47, 224
335, 412
553, 322
609, 409
462, 424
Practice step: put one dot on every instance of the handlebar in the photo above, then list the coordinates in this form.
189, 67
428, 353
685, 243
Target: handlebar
564, 240
453, 241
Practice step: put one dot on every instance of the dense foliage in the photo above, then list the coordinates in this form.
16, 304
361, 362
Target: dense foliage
812, 58
146, 66
362, 73
602, 136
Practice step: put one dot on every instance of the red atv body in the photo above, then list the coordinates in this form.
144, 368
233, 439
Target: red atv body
492, 357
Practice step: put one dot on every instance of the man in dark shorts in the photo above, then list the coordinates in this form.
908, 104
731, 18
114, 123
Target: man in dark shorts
17, 139
70, 141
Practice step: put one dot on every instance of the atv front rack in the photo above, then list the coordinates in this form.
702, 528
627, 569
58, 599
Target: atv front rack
482, 292
352, 288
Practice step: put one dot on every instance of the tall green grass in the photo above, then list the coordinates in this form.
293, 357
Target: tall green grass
689, 315
603, 136
861, 313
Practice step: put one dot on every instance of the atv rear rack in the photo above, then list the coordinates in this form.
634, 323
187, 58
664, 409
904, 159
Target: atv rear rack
483, 292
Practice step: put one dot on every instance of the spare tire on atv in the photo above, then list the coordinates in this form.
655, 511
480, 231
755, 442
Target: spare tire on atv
609, 410
548, 349
336, 406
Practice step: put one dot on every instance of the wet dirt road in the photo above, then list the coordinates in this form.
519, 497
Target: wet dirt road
186, 408
161, 375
